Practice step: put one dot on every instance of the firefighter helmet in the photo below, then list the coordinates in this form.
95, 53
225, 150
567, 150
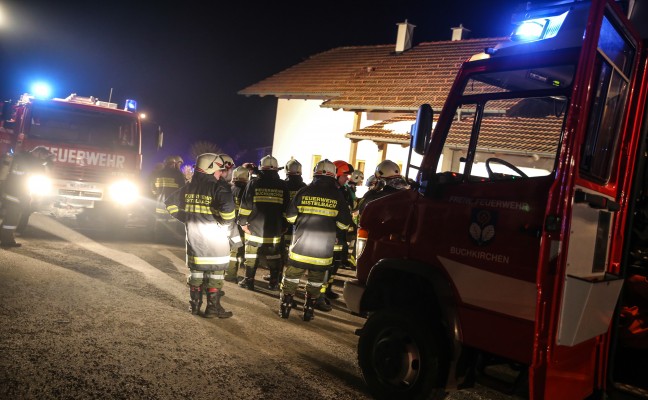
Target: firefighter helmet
229, 161
210, 163
241, 174
357, 177
371, 181
325, 168
387, 169
173, 160
343, 168
269, 163
293, 167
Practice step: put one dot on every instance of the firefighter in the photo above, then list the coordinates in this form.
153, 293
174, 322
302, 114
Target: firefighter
318, 211
206, 207
229, 167
341, 247
388, 180
17, 195
355, 180
261, 216
164, 182
240, 178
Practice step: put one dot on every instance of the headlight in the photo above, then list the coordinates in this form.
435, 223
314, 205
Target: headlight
361, 242
39, 185
124, 192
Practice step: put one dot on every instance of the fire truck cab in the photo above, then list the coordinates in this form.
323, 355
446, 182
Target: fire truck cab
96, 148
524, 241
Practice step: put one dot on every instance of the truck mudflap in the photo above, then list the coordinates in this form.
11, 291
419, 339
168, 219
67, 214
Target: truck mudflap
353, 292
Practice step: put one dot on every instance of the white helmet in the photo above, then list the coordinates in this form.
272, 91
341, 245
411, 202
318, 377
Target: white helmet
269, 163
387, 169
357, 177
229, 161
241, 174
325, 168
293, 167
371, 181
210, 163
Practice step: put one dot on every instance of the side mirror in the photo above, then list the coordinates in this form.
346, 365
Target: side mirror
160, 138
422, 128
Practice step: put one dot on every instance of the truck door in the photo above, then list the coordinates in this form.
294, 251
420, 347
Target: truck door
586, 292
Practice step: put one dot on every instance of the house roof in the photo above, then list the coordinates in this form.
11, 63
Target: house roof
529, 135
375, 78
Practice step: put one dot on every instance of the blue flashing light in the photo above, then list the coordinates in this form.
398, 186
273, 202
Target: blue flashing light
131, 105
41, 90
539, 28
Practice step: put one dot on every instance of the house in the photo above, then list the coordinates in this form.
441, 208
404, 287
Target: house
358, 103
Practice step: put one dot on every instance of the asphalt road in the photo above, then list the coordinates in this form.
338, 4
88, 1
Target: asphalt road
87, 314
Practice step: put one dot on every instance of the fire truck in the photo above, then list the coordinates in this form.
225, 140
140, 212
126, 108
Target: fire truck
96, 148
519, 256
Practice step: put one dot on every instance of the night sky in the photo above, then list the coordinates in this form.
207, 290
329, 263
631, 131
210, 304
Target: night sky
185, 61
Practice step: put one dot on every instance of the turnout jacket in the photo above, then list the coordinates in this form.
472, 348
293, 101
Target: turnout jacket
206, 207
317, 211
263, 207
163, 183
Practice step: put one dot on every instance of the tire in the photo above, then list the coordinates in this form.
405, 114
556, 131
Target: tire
402, 357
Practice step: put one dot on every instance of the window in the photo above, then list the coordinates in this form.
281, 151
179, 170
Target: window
614, 59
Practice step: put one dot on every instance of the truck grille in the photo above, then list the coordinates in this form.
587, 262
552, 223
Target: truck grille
79, 193
79, 173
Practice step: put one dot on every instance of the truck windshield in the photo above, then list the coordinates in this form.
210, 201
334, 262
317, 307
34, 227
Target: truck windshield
509, 124
63, 124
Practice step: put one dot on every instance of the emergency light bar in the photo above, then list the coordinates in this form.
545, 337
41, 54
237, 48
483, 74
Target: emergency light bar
131, 105
539, 28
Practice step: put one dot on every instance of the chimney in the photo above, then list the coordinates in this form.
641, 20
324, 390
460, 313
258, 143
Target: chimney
404, 37
459, 32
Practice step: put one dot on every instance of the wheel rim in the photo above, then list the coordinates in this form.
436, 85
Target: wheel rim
396, 358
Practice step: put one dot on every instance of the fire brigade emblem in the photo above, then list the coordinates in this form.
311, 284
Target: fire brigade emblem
482, 227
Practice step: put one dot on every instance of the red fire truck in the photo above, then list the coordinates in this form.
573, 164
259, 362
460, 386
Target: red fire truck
97, 150
520, 254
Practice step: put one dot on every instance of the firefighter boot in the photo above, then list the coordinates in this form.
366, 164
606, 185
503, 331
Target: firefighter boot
330, 294
309, 308
275, 278
214, 308
322, 303
196, 294
248, 281
285, 305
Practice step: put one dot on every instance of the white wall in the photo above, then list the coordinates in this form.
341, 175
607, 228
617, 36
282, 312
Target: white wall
304, 129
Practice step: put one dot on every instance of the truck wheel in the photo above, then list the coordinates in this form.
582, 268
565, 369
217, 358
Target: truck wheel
401, 357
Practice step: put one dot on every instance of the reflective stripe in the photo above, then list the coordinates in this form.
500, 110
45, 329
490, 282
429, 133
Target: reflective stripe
214, 276
295, 280
257, 239
327, 212
166, 183
9, 227
274, 257
311, 260
234, 259
161, 211
250, 255
18, 172
352, 260
198, 209
337, 247
244, 211
291, 219
12, 198
342, 226
208, 260
196, 275
267, 199
317, 285
228, 216
236, 239
172, 209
